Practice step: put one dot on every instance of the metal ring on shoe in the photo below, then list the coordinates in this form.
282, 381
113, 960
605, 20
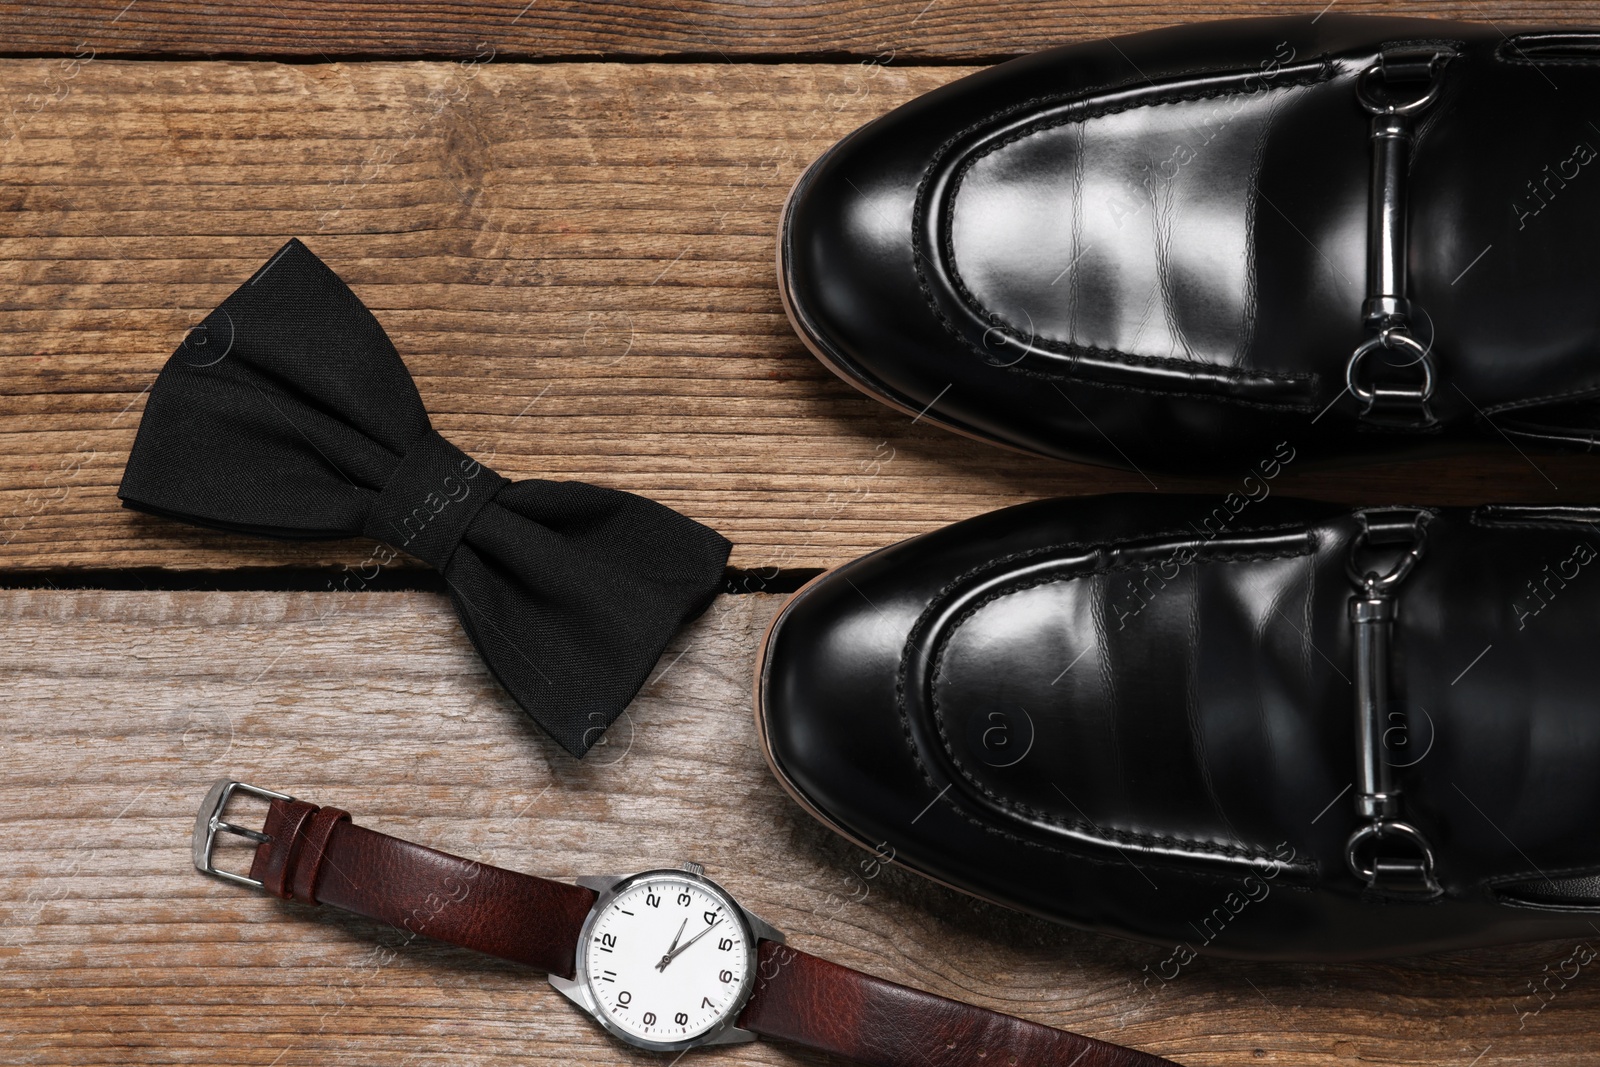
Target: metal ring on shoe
1392, 338
1411, 107
1379, 830
1395, 575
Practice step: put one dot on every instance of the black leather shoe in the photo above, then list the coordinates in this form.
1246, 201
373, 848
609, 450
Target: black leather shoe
1177, 248
1283, 730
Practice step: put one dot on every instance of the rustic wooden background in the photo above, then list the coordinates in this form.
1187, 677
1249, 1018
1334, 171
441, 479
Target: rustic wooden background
564, 214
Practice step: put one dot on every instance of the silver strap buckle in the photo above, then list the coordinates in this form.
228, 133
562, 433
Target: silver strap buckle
208, 824
1373, 610
1388, 308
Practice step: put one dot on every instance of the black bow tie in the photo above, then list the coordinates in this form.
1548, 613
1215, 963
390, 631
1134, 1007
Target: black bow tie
289, 414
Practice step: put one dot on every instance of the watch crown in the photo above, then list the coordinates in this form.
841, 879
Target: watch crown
693, 867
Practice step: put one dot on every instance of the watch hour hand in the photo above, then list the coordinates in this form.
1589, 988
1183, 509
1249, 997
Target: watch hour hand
672, 948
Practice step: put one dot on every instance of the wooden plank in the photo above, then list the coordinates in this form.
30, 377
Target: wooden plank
122, 707
574, 259
908, 30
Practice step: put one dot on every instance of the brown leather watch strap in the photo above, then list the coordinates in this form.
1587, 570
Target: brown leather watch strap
318, 856
807, 1000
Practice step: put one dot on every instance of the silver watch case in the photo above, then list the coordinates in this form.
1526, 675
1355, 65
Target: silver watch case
577, 989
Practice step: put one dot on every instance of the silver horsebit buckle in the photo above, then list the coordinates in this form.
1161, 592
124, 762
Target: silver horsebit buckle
208, 824
1388, 309
1371, 851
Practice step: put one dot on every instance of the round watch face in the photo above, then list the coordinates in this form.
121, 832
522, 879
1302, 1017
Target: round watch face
668, 958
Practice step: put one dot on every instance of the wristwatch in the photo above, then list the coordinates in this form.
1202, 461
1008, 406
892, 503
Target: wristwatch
664, 959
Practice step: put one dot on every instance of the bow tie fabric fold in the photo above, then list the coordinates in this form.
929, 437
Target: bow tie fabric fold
288, 413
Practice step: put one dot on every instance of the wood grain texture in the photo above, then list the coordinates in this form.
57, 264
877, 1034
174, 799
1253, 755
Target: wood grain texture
908, 30
122, 707
574, 259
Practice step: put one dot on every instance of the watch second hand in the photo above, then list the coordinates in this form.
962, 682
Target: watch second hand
675, 953
667, 958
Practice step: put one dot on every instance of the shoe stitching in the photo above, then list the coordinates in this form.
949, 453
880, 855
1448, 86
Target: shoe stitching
1499, 881
1089, 829
1307, 869
1514, 50
902, 680
1565, 61
1067, 348
1485, 517
1067, 378
1585, 392
1564, 438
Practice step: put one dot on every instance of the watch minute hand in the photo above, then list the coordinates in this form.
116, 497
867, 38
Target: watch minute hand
675, 953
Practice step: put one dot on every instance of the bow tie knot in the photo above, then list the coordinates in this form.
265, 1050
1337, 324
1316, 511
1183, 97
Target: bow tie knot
430, 500
569, 591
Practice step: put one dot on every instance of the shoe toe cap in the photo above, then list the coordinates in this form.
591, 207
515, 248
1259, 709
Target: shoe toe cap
848, 264
826, 704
